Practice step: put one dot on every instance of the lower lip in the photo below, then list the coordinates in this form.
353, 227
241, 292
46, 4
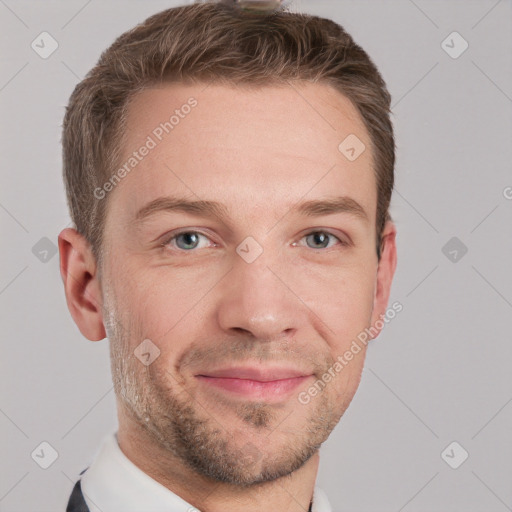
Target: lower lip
271, 390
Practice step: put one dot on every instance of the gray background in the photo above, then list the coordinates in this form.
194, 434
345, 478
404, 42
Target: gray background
440, 372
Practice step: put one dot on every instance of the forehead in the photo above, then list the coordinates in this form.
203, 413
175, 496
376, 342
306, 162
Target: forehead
289, 115
243, 146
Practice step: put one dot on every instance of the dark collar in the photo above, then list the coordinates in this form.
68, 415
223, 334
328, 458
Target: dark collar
77, 502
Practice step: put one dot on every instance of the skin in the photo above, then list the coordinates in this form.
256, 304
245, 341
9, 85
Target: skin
301, 302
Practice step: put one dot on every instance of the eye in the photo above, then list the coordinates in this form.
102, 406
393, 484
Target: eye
321, 239
186, 240
189, 240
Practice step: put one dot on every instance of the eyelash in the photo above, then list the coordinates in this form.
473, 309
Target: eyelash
168, 240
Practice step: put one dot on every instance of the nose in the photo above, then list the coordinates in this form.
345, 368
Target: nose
257, 298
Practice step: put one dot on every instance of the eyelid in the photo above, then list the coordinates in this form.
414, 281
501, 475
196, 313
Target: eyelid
169, 237
342, 242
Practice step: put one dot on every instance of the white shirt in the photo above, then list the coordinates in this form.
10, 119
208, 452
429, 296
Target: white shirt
113, 483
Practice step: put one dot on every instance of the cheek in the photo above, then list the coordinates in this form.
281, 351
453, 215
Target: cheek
342, 298
162, 303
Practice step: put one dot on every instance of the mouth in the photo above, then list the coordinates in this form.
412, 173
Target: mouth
270, 384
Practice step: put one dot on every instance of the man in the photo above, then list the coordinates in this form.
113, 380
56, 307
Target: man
229, 173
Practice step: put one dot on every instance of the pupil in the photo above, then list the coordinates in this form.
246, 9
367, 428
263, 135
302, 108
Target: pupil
190, 238
320, 238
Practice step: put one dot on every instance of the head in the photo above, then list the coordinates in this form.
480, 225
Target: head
229, 176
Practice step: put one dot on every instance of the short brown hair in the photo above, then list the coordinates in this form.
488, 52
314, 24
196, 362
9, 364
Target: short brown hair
214, 42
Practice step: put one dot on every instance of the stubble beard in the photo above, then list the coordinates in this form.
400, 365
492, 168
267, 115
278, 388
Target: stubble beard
180, 425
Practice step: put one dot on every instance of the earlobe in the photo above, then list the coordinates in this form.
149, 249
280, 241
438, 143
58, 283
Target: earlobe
385, 272
78, 269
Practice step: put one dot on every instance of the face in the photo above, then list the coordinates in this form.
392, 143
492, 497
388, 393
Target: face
242, 246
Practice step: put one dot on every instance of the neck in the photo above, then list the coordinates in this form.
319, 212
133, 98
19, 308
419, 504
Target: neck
292, 493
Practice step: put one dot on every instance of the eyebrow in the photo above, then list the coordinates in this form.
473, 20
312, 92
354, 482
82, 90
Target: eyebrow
201, 208
330, 206
312, 208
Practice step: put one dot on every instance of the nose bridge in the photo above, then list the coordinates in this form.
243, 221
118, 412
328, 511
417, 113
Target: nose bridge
256, 297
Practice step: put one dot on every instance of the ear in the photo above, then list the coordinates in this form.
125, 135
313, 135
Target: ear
78, 269
385, 273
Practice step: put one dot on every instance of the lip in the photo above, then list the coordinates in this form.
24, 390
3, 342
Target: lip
256, 374
269, 384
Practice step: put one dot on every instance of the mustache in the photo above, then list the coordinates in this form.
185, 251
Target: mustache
286, 352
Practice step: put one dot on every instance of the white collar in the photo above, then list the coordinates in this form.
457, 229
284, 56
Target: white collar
113, 483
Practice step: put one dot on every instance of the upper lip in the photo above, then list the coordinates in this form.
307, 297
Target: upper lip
255, 373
